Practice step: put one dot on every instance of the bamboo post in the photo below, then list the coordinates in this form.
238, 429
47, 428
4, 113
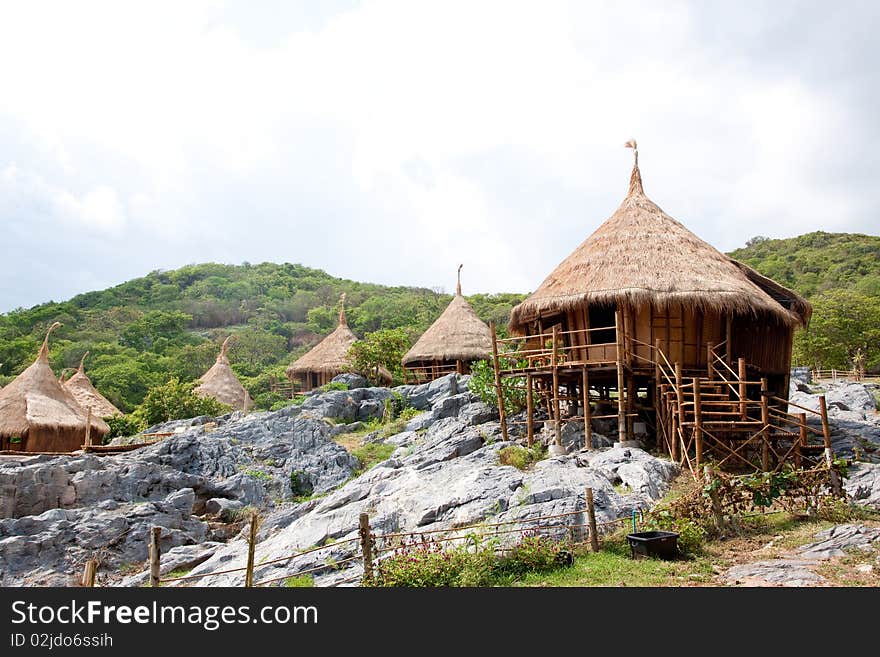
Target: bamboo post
765, 426
698, 424
709, 477
728, 335
555, 369
741, 373
88, 446
588, 429
630, 405
366, 546
591, 516
91, 569
679, 400
801, 441
501, 416
710, 355
829, 455
530, 411
252, 548
155, 535
621, 408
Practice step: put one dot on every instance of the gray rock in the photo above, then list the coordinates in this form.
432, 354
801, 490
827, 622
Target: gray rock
863, 484
351, 380
776, 572
225, 509
836, 541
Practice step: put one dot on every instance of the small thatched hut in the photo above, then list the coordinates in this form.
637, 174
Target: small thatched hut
221, 383
328, 358
87, 395
450, 344
37, 414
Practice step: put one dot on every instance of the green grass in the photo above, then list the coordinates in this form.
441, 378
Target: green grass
521, 457
613, 566
299, 581
258, 474
372, 453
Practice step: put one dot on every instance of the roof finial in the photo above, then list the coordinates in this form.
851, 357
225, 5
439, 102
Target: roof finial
44, 350
81, 361
635, 180
342, 320
458, 286
224, 348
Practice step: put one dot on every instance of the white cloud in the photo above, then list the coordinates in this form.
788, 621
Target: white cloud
169, 121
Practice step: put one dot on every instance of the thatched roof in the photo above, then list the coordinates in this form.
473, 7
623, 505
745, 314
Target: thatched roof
221, 383
35, 401
87, 395
458, 334
330, 355
641, 255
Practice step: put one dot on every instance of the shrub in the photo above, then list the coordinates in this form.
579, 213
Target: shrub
176, 401
334, 385
482, 384
297, 400
521, 457
123, 425
425, 563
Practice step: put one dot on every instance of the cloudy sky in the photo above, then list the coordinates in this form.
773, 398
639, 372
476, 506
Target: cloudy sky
389, 141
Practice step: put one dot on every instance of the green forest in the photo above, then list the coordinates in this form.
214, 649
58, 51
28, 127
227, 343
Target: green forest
169, 324
840, 275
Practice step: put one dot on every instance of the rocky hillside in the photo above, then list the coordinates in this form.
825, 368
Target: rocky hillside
444, 472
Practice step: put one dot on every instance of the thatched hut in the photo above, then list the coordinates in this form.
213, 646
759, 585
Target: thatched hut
642, 292
455, 340
86, 395
328, 358
221, 383
37, 414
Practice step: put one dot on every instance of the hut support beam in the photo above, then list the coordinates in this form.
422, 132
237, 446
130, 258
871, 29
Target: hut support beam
588, 431
501, 416
530, 411
621, 408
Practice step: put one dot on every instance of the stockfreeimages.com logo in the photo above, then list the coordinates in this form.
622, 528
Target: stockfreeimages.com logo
210, 617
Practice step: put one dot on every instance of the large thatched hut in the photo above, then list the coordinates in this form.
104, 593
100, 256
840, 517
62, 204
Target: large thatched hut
37, 414
643, 295
328, 358
86, 395
221, 383
455, 340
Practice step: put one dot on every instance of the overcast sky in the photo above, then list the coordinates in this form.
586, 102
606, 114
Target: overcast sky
390, 141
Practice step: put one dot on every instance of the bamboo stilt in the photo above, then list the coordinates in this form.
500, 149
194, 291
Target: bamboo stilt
621, 408
698, 425
555, 367
765, 430
741, 367
530, 411
501, 416
588, 429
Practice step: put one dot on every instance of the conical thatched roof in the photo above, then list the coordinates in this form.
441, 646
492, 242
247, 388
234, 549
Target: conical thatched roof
458, 334
87, 395
221, 383
641, 255
35, 404
330, 355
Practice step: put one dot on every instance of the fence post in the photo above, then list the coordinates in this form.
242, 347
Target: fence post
829, 455
698, 425
591, 517
765, 428
709, 478
501, 417
710, 365
679, 401
91, 569
155, 535
801, 440
252, 548
366, 546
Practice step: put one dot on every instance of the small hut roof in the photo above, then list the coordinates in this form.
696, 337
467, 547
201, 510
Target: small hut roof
641, 255
221, 383
330, 355
458, 334
86, 395
35, 400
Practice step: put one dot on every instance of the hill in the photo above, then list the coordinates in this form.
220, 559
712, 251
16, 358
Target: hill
169, 323
840, 274
817, 262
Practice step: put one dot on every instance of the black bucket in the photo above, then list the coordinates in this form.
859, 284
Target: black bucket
663, 545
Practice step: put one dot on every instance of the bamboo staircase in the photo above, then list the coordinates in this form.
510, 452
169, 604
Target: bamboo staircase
720, 414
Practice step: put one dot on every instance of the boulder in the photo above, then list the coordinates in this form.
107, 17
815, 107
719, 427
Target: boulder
351, 380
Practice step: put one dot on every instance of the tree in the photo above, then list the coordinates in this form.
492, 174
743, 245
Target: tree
176, 401
383, 348
845, 325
